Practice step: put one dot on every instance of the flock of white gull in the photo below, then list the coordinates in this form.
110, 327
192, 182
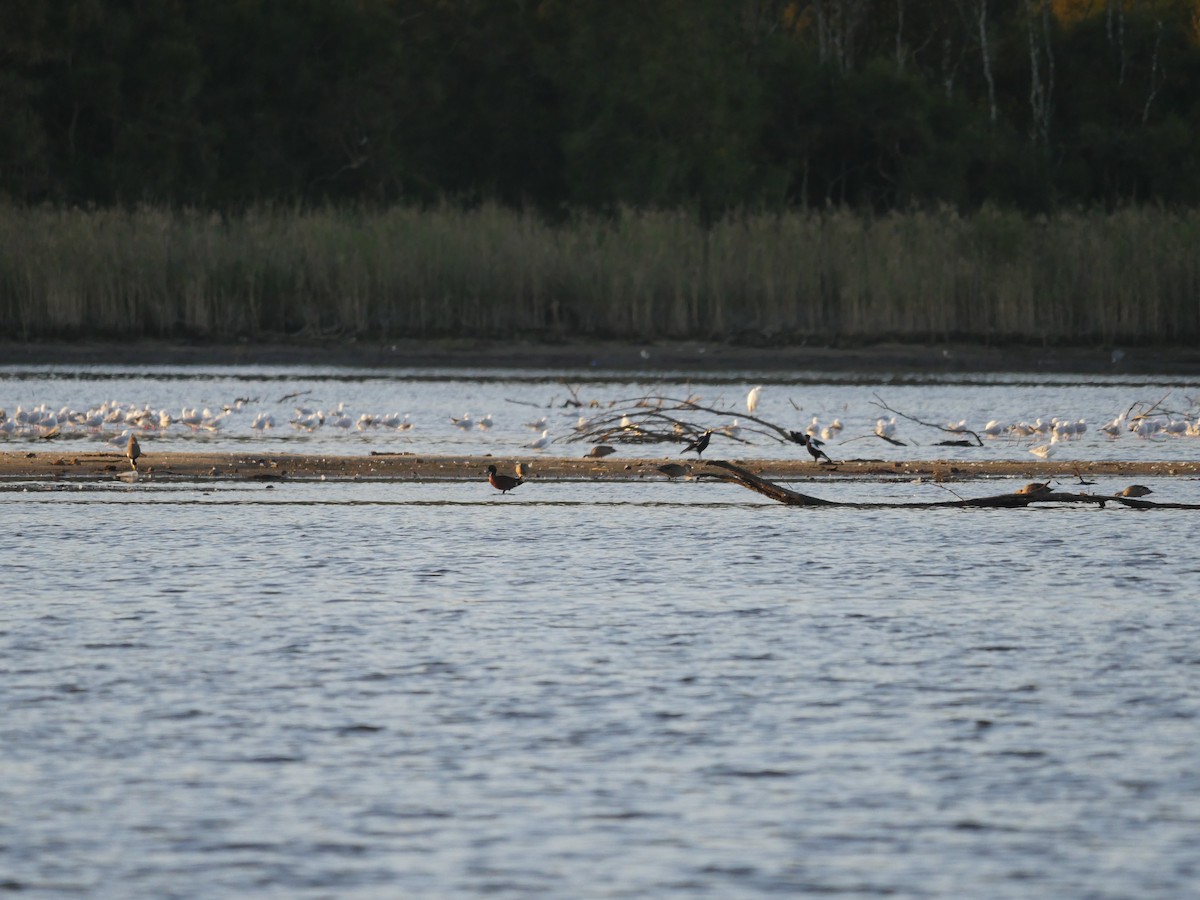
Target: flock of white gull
115, 421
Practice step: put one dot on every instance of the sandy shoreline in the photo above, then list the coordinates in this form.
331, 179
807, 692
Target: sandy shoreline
650, 357
26, 465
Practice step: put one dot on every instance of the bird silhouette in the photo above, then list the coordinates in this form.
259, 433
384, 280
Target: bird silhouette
502, 483
700, 444
133, 450
811, 444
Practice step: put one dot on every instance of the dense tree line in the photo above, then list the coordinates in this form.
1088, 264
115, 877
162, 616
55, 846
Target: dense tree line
558, 105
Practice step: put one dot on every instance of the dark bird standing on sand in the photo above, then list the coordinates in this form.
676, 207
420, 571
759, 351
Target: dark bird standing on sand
811, 444
502, 483
700, 444
133, 450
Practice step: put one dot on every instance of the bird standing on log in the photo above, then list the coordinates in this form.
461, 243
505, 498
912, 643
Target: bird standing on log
1135, 490
700, 444
1035, 487
502, 483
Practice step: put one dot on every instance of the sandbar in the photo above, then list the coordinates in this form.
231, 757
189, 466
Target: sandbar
56, 464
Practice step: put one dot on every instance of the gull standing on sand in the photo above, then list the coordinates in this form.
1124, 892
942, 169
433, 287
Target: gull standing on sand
1045, 451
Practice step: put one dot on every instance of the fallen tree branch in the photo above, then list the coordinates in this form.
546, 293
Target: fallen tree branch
880, 403
623, 421
723, 470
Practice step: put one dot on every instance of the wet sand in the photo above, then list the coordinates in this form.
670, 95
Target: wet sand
25, 465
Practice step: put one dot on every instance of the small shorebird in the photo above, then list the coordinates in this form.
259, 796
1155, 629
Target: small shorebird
700, 444
1135, 490
133, 450
600, 451
522, 470
502, 483
674, 470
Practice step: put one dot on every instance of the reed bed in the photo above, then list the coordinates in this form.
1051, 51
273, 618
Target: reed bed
1131, 275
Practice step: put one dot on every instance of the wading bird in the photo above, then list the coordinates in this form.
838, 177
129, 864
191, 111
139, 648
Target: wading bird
700, 444
502, 483
752, 399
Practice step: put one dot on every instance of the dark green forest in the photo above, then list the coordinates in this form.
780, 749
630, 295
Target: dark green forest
562, 105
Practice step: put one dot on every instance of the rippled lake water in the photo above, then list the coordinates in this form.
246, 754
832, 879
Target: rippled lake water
591, 690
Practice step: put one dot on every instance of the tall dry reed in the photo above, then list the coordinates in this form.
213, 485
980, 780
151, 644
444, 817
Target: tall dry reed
1131, 275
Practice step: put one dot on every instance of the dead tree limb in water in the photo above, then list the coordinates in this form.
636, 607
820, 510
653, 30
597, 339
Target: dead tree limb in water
721, 470
948, 429
656, 419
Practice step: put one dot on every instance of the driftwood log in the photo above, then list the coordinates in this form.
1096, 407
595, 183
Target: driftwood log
722, 470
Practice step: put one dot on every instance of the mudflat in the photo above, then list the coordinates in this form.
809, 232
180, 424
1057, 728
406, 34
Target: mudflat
20, 464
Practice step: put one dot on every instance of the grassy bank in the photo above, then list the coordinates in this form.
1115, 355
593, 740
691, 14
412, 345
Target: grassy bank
1133, 275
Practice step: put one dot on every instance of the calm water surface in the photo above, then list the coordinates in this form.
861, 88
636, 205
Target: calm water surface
578, 690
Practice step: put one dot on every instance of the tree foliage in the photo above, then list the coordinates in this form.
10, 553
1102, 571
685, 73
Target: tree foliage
557, 105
